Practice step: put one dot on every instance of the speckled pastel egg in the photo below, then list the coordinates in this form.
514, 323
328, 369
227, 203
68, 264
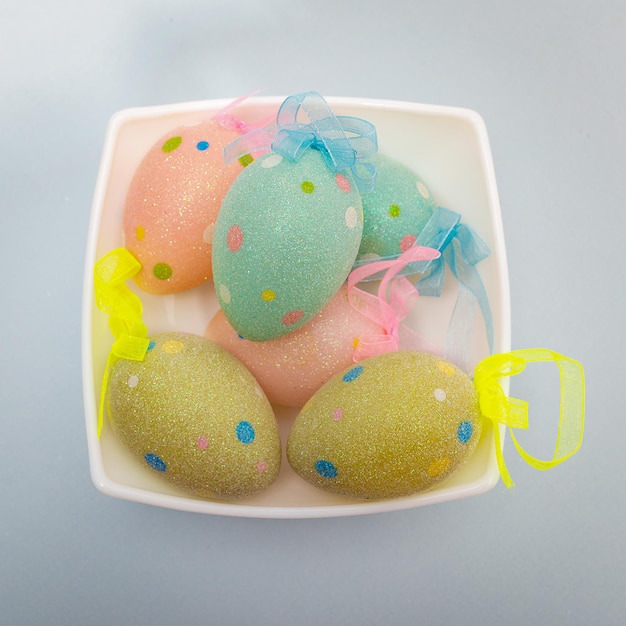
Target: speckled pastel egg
172, 205
393, 425
193, 414
395, 212
290, 369
285, 240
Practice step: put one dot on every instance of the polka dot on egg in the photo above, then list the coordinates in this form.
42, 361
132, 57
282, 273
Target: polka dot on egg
140, 233
293, 317
440, 395
234, 238
438, 467
352, 374
394, 210
171, 144
155, 462
446, 368
245, 432
343, 183
407, 242
268, 295
202, 443
207, 235
351, 217
225, 294
133, 381
423, 190
151, 345
308, 186
202, 145
337, 414
325, 469
464, 432
245, 160
271, 161
172, 347
261, 466
162, 271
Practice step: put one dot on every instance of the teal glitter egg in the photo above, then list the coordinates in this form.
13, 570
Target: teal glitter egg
285, 239
395, 212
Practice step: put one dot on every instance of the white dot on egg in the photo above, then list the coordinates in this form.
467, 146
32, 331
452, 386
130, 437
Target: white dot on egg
271, 161
225, 294
440, 395
351, 217
421, 187
133, 381
207, 236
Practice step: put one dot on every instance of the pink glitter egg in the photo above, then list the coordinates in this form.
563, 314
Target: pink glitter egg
291, 368
172, 204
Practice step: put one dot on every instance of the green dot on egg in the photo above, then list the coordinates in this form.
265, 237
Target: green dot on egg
162, 271
245, 159
394, 210
171, 144
308, 186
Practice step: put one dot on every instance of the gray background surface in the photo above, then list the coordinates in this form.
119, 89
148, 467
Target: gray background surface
548, 79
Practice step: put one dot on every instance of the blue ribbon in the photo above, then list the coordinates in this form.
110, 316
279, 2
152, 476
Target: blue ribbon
343, 141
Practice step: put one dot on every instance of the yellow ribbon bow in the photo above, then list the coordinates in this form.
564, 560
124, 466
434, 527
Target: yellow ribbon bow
500, 409
125, 312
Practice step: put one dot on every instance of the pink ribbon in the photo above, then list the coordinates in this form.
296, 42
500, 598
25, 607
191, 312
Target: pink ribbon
228, 121
388, 311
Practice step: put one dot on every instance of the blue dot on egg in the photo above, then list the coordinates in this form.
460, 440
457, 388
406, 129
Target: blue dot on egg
325, 469
464, 432
151, 345
155, 462
245, 432
202, 145
352, 374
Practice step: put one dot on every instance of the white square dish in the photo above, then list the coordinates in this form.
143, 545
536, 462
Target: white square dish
448, 147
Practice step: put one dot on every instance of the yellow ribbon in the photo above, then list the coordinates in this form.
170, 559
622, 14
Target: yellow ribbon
513, 413
125, 311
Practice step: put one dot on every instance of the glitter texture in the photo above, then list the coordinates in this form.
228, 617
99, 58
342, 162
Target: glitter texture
395, 438
292, 368
298, 244
396, 211
174, 197
187, 398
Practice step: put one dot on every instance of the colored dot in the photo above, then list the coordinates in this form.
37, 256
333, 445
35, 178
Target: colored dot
140, 233
155, 462
355, 343
225, 294
343, 183
268, 295
464, 433
271, 161
261, 466
162, 271
337, 414
240, 336
245, 160
245, 432
446, 368
171, 144
439, 394
351, 217
202, 145
202, 443
325, 469
438, 467
421, 187
407, 242
352, 374
207, 235
234, 238
292, 317
308, 186
151, 345
394, 210
172, 347
133, 381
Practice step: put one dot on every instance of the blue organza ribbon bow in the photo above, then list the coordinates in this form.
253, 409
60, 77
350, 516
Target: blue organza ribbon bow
343, 141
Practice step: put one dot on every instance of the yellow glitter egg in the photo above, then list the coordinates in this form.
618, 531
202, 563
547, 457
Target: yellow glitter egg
192, 413
393, 425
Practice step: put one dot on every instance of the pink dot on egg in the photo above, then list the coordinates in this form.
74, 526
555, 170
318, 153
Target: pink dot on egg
234, 238
261, 466
343, 183
337, 414
292, 317
202, 443
407, 242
